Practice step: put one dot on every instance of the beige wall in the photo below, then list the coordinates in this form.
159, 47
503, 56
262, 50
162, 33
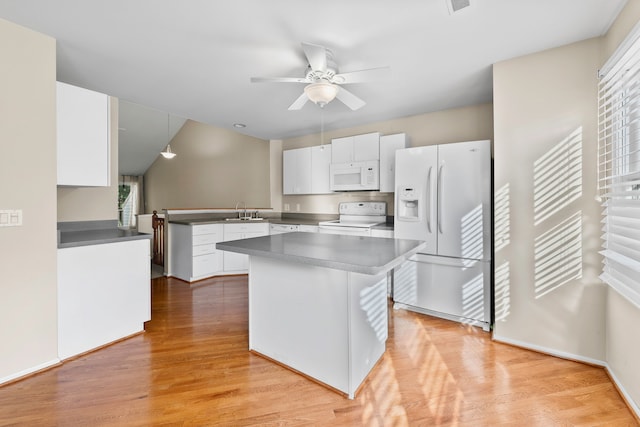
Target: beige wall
28, 313
622, 317
94, 203
548, 295
275, 173
213, 168
461, 124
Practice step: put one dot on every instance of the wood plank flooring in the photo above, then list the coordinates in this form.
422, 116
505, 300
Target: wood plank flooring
192, 367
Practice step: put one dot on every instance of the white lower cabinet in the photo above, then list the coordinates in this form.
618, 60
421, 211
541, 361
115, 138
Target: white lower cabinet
104, 294
193, 251
239, 263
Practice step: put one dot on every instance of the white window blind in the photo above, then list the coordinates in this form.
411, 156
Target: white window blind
619, 167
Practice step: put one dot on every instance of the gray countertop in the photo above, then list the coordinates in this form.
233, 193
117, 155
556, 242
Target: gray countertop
296, 221
85, 233
200, 221
367, 255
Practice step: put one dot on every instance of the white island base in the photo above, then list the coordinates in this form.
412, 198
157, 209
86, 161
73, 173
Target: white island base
328, 324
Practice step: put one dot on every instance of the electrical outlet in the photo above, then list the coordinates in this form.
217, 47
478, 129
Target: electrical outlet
297, 207
286, 207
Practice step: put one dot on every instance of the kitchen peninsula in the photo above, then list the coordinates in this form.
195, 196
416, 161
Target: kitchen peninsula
318, 302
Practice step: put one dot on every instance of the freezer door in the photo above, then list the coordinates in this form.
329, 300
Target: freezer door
446, 287
464, 189
415, 204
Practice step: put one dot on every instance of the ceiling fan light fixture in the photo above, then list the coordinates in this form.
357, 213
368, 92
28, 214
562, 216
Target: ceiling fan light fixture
167, 153
321, 93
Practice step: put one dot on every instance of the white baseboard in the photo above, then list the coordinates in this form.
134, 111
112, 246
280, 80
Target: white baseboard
569, 356
29, 371
549, 351
629, 400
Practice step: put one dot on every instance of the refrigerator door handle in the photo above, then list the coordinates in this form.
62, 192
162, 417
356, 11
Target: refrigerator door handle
440, 196
429, 204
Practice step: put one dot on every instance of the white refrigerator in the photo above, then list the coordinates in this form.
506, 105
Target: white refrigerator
443, 196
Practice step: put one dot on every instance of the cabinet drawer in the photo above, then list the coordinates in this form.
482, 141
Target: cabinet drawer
207, 229
204, 265
203, 239
242, 228
204, 249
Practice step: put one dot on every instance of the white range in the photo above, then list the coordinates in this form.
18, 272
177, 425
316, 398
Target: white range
356, 218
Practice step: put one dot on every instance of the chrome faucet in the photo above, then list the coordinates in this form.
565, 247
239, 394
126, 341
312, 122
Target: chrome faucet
244, 205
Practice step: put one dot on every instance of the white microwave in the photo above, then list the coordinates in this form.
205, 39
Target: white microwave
355, 176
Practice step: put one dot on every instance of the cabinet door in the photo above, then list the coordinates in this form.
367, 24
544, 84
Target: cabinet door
320, 163
366, 147
234, 262
303, 168
342, 150
231, 260
296, 171
388, 146
288, 171
82, 137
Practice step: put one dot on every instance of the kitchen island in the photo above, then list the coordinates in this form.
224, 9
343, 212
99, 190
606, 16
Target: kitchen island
318, 302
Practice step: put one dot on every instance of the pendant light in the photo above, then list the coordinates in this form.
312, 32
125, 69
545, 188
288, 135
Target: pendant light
167, 153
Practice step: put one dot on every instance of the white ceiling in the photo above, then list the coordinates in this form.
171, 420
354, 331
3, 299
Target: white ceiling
194, 58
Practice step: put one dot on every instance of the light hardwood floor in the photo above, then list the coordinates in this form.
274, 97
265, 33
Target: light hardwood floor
192, 367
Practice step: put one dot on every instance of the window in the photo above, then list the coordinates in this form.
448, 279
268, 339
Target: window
619, 167
129, 191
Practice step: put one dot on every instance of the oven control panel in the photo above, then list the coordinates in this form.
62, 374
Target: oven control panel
362, 208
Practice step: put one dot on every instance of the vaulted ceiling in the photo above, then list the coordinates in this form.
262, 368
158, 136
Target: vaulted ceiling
194, 59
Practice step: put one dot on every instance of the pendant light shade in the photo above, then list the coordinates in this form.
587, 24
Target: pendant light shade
167, 153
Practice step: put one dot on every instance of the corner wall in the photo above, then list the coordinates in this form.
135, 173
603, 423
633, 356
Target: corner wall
28, 270
547, 223
623, 317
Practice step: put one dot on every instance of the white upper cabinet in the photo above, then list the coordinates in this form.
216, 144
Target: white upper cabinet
356, 148
366, 147
296, 171
388, 146
83, 139
320, 164
342, 150
306, 170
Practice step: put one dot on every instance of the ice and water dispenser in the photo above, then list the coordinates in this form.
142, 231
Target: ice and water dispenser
408, 204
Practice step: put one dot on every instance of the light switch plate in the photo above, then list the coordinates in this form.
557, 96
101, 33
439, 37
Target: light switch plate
10, 217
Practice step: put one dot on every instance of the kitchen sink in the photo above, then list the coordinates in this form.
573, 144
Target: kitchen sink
244, 218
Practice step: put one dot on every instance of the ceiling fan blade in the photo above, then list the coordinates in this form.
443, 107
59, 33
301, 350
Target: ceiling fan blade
362, 76
316, 55
278, 80
349, 99
299, 103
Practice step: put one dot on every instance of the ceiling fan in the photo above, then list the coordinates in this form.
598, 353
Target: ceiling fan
323, 80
